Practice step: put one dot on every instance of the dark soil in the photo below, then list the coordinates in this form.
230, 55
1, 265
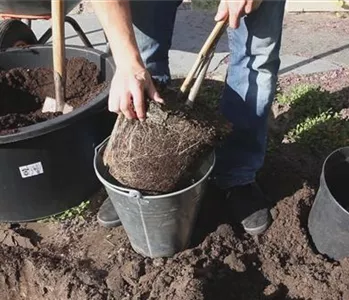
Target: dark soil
154, 155
23, 92
80, 260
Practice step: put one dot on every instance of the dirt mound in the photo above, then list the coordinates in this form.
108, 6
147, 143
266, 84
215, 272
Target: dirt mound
199, 273
40, 275
227, 264
289, 260
23, 92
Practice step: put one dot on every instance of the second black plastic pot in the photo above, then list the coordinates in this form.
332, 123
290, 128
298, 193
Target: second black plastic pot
329, 217
47, 168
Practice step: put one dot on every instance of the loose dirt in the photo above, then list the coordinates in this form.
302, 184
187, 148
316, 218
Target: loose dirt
80, 260
23, 92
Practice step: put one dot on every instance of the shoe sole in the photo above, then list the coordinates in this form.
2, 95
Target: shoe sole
108, 224
257, 230
260, 229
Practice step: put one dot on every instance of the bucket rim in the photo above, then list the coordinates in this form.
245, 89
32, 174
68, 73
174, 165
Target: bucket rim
126, 192
323, 178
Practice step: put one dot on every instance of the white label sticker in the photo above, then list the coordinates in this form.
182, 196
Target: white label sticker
31, 170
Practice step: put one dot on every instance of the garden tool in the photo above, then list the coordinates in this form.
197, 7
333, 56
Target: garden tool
202, 63
58, 104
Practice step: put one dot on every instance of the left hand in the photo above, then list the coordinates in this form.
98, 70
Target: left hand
127, 92
235, 9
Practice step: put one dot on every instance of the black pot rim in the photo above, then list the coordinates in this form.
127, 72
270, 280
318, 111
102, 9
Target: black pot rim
42, 128
323, 178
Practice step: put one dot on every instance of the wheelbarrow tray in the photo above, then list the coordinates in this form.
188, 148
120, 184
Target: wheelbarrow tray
31, 8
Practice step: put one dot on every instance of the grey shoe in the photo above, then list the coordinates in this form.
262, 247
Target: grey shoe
107, 216
250, 208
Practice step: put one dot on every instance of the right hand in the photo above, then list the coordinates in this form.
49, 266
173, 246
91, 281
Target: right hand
127, 93
235, 10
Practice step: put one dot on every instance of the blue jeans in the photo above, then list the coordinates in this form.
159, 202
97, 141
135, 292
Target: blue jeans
250, 82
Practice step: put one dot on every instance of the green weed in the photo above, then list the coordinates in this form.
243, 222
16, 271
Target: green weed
322, 133
74, 212
295, 94
306, 100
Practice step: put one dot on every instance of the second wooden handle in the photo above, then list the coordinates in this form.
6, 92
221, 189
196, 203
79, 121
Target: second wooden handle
215, 34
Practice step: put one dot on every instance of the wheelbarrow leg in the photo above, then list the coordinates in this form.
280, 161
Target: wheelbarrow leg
79, 31
28, 22
48, 34
107, 49
45, 37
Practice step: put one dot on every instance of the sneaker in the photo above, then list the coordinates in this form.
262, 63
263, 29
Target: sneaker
250, 208
107, 216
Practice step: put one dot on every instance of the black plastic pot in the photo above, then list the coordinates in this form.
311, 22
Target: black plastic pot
329, 217
32, 8
47, 168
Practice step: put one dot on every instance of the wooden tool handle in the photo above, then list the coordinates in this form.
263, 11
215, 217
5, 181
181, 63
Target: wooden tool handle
57, 8
200, 78
215, 34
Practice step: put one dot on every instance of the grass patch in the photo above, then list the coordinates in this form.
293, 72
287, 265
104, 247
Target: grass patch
313, 119
309, 124
296, 94
307, 100
323, 133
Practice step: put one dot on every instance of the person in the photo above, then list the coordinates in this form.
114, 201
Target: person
140, 36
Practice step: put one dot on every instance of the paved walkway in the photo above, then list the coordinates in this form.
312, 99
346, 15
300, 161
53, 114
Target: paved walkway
311, 42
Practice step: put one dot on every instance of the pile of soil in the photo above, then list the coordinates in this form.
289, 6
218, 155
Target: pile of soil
23, 92
78, 259
88, 262
39, 275
156, 154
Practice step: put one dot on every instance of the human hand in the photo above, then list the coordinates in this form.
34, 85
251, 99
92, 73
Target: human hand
235, 9
127, 92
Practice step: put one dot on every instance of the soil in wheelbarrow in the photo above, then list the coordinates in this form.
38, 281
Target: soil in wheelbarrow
23, 92
78, 259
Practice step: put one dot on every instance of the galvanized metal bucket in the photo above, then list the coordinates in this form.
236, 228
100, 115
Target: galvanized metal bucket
157, 226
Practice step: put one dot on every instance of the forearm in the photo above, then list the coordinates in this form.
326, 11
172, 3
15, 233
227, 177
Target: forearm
115, 18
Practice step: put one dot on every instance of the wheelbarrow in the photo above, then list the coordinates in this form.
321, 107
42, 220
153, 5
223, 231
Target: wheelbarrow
16, 33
